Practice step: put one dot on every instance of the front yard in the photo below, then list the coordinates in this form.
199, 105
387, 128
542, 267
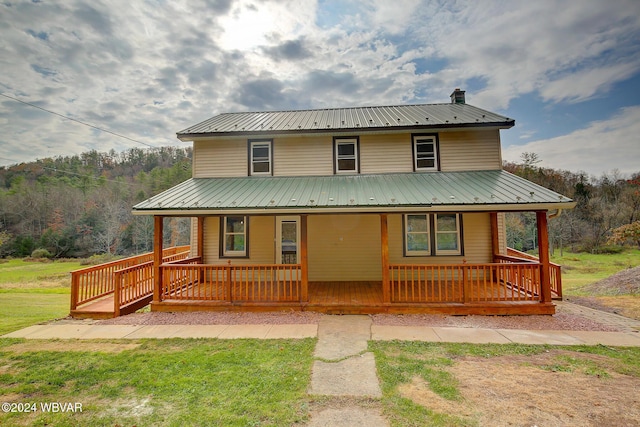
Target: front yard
156, 382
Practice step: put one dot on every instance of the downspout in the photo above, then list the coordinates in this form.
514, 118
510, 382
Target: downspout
556, 214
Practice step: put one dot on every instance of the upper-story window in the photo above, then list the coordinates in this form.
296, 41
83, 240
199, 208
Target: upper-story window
346, 155
260, 157
425, 153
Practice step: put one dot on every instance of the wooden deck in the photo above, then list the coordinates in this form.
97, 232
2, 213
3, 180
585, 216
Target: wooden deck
502, 288
330, 298
357, 298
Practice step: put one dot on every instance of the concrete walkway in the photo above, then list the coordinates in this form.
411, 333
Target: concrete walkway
355, 335
85, 331
344, 368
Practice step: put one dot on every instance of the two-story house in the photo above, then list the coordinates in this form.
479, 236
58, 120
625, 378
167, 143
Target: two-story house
354, 210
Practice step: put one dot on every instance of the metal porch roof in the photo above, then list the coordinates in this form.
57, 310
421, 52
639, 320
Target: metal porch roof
359, 119
437, 191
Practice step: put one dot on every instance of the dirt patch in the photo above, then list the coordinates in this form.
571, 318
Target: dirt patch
625, 282
543, 390
87, 346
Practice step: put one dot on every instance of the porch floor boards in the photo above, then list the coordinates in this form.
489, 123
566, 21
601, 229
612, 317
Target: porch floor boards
364, 297
342, 297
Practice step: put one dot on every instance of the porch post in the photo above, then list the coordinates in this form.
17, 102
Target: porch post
543, 255
495, 237
384, 249
304, 260
157, 257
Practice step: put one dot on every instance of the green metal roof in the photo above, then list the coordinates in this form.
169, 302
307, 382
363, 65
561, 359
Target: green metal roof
357, 119
436, 191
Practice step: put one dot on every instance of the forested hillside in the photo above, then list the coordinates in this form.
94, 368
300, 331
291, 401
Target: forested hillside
607, 210
78, 206
81, 205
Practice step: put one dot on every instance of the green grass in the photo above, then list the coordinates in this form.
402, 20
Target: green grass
21, 309
16, 271
161, 382
399, 362
580, 269
33, 292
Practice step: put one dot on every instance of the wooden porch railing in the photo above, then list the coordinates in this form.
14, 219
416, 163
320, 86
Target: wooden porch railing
555, 270
464, 283
237, 283
92, 283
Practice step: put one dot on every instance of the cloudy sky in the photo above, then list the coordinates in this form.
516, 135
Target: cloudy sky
567, 71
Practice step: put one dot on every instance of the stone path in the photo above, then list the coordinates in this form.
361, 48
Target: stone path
610, 319
344, 368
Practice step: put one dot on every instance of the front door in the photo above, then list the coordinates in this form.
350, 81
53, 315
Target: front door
287, 240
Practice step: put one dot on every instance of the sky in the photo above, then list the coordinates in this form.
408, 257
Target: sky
568, 72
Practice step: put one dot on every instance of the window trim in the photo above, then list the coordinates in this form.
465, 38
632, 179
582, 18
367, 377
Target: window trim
432, 233
405, 233
414, 152
355, 140
223, 238
250, 144
458, 232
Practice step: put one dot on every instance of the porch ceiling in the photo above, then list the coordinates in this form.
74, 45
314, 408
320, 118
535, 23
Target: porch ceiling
493, 190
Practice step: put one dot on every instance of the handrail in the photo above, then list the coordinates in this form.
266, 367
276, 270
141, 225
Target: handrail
94, 282
231, 283
464, 283
555, 270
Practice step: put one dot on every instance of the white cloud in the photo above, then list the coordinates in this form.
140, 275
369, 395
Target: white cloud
600, 147
148, 70
585, 84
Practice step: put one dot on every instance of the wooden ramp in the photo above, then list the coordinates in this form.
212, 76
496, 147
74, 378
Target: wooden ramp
104, 308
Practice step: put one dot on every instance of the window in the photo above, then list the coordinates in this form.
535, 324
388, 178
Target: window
260, 157
417, 240
425, 152
447, 234
346, 155
437, 234
234, 240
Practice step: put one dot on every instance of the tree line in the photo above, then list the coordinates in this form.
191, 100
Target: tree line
606, 216
77, 206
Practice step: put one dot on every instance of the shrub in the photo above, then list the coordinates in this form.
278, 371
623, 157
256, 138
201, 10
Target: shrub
98, 259
40, 253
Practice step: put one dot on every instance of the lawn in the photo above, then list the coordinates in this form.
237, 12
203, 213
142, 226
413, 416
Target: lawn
173, 382
16, 272
33, 292
434, 384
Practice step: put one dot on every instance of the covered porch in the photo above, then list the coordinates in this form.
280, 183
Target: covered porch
344, 258
511, 284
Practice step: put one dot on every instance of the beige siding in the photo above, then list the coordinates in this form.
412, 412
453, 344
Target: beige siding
261, 242
221, 158
386, 153
344, 247
476, 237
382, 153
502, 233
470, 150
303, 156
193, 251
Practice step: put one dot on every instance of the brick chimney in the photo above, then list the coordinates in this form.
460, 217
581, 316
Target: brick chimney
457, 97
